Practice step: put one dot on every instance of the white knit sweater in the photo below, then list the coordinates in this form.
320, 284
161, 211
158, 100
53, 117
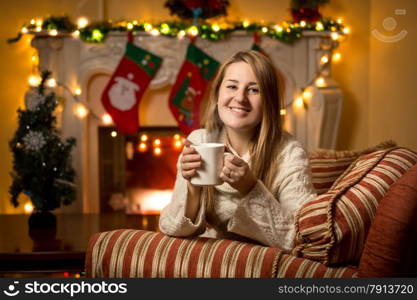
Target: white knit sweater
262, 215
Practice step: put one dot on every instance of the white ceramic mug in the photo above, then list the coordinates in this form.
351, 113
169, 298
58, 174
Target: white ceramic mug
212, 164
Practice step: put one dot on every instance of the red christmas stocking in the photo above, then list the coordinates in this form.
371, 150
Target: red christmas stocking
257, 43
188, 91
125, 89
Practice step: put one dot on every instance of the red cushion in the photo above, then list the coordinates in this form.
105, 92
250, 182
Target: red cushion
333, 227
390, 249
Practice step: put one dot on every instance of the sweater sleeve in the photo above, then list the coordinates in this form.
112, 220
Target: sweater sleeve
269, 218
173, 221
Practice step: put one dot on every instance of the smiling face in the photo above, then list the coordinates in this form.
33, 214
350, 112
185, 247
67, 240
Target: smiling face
240, 102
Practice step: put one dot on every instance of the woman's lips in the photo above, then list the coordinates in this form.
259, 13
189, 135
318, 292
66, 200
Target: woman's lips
239, 111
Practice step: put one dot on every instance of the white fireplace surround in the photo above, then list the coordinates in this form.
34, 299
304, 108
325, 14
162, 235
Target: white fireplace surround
75, 63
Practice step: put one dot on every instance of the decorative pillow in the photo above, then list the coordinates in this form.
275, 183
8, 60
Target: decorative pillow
332, 228
139, 253
390, 249
328, 165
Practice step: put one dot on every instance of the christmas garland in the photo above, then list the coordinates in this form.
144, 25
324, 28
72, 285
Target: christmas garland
288, 32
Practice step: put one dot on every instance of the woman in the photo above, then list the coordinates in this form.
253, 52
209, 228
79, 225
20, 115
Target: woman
266, 176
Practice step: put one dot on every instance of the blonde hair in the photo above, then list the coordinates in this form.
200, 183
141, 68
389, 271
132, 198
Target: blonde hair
268, 134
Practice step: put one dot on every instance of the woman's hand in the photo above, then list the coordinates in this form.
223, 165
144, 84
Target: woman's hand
237, 173
190, 161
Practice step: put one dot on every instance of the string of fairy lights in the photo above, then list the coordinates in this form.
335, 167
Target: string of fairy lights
97, 33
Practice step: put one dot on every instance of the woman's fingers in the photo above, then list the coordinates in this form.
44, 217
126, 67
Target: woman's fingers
191, 165
187, 158
188, 174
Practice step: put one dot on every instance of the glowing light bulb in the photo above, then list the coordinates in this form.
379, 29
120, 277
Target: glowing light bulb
28, 207
142, 147
24, 30
181, 34
346, 30
157, 142
155, 32
324, 59
113, 134
82, 22
144, 138
129, 26
264, 29
215, 27
77, 91
35, 59
76, 34
148, 27
193, 31
307, 95
157, 151
97, 35
53, 32
81, 111
299, 102
320, 82
319, 26
32, 22
177, 136
39, 22
337, 57
283, 112
246, 23
178, 144
303, 23
51, 82
34, 80
165, 28
107, 119
278, 28
339, 20
334, 36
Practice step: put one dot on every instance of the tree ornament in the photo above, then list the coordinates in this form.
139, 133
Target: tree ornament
34, 141
33, 99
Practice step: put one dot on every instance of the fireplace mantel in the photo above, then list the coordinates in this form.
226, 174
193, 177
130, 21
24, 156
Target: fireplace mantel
74, 63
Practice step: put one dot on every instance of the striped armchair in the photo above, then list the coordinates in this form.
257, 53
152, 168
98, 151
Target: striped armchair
362, 224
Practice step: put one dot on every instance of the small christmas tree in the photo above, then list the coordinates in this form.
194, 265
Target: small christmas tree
41, 160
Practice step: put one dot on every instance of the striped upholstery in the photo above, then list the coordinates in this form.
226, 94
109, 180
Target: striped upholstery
325, 171
138, 253
294, 267
328, 165
332, 228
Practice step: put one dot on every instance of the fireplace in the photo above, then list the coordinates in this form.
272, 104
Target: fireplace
103, 171
137, 173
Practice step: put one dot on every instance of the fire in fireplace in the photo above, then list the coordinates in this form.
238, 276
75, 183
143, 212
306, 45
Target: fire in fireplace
137, 173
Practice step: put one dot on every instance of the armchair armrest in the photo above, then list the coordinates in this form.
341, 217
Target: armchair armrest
139, 253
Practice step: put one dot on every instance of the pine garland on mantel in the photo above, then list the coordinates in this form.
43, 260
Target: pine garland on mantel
97, 32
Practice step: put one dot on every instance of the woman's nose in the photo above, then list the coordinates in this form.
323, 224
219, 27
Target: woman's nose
240, 95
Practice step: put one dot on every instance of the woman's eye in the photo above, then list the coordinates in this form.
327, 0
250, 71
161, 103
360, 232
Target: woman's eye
231, 87
254, 90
